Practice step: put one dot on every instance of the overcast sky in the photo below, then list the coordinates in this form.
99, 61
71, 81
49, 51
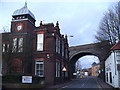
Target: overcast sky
79, 18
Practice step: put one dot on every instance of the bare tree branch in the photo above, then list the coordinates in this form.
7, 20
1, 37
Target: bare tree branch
109, 25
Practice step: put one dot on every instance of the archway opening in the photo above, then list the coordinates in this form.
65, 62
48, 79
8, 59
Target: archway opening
88, 65
85, 60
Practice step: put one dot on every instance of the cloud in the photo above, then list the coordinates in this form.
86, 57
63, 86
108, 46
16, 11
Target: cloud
84, 28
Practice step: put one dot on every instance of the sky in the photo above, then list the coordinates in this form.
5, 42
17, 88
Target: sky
76, 17
79, 18
87, 61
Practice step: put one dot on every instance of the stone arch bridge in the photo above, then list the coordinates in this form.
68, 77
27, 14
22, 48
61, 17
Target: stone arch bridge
101, 50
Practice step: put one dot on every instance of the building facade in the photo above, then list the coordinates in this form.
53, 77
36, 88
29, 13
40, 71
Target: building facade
95, 69
38, 51
112, 67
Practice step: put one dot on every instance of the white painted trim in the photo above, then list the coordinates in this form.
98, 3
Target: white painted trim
39, 63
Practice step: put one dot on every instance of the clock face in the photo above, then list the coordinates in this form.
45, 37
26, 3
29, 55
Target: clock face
19, 27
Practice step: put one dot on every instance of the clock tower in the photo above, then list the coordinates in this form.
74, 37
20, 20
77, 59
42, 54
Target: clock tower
23, 21
22, 27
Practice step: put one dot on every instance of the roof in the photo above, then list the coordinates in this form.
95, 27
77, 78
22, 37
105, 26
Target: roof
24, 10
94, 63
116, 46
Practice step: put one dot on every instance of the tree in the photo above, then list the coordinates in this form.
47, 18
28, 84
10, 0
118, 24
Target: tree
109, 25
5, 29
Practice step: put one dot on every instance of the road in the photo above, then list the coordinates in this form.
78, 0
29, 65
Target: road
86, 82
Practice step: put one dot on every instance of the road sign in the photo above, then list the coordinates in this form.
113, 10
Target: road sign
64, 69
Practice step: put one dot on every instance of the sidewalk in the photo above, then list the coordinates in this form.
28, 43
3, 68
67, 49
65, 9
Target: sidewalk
103, 84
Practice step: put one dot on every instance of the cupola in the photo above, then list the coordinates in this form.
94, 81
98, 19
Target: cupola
23, 13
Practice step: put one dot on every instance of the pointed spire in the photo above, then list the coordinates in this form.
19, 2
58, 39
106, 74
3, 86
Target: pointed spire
40, 23
57, 24
66, 36
25, 4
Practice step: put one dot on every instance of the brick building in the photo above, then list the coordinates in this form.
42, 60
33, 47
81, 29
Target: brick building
95, 69
38, 51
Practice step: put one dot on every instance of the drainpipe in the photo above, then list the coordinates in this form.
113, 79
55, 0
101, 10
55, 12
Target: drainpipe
114, 62
115, 66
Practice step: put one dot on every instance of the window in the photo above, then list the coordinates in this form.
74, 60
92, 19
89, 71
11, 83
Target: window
40, 42
57, 69
39, 68
107, 77
8, 46
14, 49
23, 16
17, 45
3, 48
20, 45
118, 53
66, 53
62, 49
58, 45
110, 77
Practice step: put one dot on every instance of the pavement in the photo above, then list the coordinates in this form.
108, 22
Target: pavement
102, 84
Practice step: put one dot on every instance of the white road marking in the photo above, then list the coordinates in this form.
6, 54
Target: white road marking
84, 83
67, 86
98, 84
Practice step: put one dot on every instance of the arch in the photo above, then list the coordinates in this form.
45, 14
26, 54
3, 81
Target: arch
101, 50
80, 54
